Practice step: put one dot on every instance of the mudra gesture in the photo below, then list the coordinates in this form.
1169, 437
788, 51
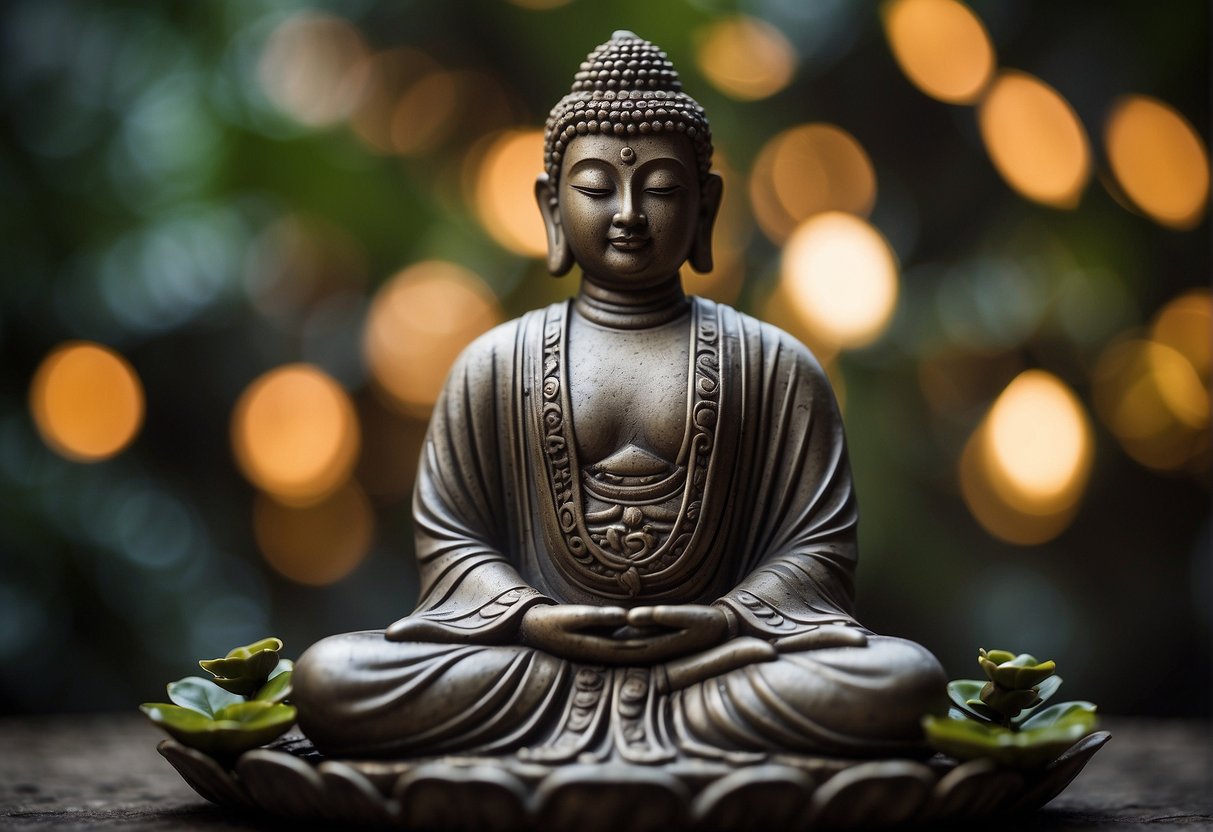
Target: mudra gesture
634, 512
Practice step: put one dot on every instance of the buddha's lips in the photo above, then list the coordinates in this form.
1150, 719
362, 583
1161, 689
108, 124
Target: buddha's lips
628, 243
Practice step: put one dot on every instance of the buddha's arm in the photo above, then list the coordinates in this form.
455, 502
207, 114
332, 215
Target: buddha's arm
799, 574
470, 591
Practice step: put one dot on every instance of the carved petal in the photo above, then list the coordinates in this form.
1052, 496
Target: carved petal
353, 798
443, 796
871, 794
1061, 771
204, 775
759, 798
609, 798
283, 784
975, 789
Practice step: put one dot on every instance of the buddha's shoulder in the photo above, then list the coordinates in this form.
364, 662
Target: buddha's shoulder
502, 341
758, 336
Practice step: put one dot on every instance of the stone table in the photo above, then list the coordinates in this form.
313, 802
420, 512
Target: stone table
99, 772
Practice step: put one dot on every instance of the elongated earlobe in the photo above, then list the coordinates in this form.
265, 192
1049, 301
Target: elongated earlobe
560, 256
709, 207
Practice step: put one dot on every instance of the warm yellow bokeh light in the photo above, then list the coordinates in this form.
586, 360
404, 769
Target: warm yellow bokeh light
316, 544
941, 46
315, 67
994, 514
505, 184
745, 58
1035, 139
1186, 326
1025, 468
1181, 388
1038, 444
1139, 385
86, 401
294, 433
419, 322
807, 170
1159, 160
841, 278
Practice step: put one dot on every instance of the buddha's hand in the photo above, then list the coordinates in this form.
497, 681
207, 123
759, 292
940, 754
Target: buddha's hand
613, 635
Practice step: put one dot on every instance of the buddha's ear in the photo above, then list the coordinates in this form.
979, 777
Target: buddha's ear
709, 207
560, 256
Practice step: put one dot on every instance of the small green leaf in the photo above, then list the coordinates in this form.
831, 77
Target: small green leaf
967, 739
1008, 703
240, 726
201, 695
245, 669
964, 691
996, 656
276, 689
1063, 713
981, 709
1044, 690
1014, 672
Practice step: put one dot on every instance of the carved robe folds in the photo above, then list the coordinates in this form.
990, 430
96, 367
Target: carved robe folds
756, 514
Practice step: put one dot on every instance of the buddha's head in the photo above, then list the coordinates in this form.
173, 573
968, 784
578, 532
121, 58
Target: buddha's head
628, 192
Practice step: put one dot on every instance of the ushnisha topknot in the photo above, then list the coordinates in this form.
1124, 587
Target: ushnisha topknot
626, 87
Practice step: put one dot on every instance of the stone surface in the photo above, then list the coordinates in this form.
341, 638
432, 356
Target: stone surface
103, 772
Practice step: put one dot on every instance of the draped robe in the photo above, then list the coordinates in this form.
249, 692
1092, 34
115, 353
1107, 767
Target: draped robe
759, 516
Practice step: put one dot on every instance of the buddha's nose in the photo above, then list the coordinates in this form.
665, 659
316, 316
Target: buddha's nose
629, 216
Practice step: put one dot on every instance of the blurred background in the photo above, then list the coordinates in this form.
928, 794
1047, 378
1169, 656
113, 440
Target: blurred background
243, 240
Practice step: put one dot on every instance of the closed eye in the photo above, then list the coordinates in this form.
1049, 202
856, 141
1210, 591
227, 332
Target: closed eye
591, 192
666, 191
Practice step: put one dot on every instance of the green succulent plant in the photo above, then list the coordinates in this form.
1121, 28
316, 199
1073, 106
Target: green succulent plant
245, 669
1004, 716
220, 720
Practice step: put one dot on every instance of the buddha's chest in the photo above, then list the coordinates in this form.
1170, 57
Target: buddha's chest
628, 388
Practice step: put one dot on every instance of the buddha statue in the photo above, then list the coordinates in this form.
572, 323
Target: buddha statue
635, 521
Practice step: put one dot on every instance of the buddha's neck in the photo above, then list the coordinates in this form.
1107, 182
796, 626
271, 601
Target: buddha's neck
632, 308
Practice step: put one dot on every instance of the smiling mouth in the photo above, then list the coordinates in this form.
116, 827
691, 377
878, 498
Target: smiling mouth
628, 243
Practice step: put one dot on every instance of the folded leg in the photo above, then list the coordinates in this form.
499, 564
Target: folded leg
359, 694
852, 701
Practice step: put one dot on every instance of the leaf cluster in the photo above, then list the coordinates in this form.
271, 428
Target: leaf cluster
242, 708
1005, 718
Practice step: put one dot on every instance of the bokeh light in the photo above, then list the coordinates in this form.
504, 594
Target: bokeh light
841, 278
806, 170
1186, 325
745, 58
294, 434
1129, 401
1159, 160
1035, 139
314, 67
941, 46
1153, 394
420, 320
505, 184
1024, 470
86, 401
316, 544
1038, 443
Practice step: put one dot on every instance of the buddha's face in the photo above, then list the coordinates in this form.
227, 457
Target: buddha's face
630, 208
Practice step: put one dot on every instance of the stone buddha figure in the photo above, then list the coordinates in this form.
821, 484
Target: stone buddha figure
635, 521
